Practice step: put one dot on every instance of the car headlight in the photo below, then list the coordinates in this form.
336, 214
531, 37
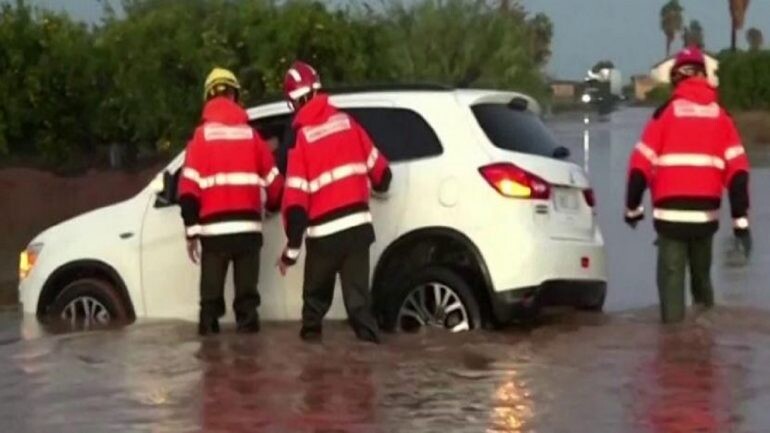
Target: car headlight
28, 258
586, 98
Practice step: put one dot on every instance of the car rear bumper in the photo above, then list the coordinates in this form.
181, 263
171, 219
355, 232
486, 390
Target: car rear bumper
521, 302
551, 260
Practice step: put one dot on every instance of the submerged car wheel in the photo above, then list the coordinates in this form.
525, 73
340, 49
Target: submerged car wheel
87, 304
438, 298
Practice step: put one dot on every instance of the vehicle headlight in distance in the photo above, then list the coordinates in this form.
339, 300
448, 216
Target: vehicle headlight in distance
27, 259
586, 98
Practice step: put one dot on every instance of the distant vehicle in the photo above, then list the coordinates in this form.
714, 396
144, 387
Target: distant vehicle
485, 219
603, 89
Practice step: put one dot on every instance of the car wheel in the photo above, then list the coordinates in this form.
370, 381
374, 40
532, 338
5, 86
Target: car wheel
434, 297
88, 303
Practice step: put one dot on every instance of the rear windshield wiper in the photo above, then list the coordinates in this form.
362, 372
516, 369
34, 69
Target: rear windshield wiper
518, 103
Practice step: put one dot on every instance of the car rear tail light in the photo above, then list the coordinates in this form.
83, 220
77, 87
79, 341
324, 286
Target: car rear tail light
590, 197
512, 181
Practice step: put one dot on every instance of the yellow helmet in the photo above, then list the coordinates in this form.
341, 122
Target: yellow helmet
218, 80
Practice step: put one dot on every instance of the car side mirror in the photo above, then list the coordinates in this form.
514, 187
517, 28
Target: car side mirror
561, 152
165, 190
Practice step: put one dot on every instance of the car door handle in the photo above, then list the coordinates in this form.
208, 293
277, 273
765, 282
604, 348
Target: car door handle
127, 235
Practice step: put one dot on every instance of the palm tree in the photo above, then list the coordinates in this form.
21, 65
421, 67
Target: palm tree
671, 22
738, 10
693, 34
755, 39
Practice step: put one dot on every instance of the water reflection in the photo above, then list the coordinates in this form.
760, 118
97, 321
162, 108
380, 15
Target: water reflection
512, 407
684, 389
575, 373
246, 387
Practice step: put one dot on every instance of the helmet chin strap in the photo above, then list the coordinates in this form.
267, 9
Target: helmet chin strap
297, 104
225, 91
685, 72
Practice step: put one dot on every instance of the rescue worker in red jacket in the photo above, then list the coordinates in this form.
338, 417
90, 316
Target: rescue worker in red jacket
330, 171
688, 153
220, 192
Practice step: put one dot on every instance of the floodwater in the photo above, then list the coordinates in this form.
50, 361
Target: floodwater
616, 372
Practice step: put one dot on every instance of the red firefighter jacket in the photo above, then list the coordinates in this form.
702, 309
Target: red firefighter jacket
226, 167
330, 171
689, 152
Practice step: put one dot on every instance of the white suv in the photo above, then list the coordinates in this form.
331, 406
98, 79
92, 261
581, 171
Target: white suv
485, 219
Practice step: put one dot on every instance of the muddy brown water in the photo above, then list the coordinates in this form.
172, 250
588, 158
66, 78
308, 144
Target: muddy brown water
573, 372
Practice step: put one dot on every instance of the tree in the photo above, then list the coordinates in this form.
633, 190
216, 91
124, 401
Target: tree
693, 35
738, 10
541, 29
498, 52
755, 38
69, 90
671, 22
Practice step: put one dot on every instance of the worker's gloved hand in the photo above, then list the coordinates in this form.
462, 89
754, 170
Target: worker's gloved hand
743, 241
287, 259
194, 250
632, 217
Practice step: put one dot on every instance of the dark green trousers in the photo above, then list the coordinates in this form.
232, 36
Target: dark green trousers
674, 257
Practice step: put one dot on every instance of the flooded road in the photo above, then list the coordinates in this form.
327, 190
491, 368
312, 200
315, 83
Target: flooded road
618, 372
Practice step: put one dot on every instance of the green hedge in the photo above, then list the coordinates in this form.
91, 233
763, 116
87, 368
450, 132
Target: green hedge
659, 95
69, 90
744, 80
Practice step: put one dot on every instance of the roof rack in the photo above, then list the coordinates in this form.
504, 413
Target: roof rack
389, 88
364, 88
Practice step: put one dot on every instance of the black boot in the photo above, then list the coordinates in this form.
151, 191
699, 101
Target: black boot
208, 326
249, 325
310, 333
368, 335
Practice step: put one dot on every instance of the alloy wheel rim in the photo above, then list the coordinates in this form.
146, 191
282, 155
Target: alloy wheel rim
87, 311
434, 305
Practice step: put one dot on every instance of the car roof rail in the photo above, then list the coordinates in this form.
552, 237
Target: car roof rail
367, 88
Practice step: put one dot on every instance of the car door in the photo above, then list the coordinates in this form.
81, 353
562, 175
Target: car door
281, 296
169, 278
381, 121
375, 117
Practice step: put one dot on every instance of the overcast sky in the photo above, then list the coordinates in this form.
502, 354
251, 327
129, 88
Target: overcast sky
625, 31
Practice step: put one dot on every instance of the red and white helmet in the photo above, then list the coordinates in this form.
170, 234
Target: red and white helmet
691, 55
300, 80
688, 63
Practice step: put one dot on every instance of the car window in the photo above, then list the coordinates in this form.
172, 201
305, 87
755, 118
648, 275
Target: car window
273, 129
277, 131
513, 128
169, 197
399, 133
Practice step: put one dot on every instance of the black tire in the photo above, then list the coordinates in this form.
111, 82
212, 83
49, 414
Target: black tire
594, 300
395, 299
102, 291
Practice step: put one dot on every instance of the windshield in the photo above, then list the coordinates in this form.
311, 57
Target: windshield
514, 129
